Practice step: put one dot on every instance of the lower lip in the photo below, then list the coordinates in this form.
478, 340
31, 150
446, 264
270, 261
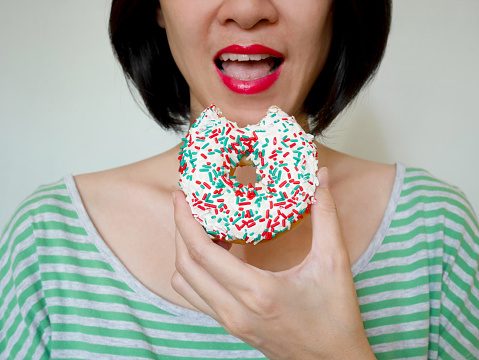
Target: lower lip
250, 87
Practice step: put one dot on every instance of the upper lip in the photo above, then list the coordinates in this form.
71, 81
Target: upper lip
254, 49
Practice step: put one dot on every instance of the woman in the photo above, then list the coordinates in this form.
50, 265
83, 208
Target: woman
108, 264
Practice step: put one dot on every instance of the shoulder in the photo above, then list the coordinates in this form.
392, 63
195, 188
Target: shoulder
425, 192
47, 203
430, 209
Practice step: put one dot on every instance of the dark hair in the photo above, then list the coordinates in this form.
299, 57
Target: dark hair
360, 32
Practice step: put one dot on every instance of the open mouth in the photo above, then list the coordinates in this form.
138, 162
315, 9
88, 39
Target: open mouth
247, 67
250, 69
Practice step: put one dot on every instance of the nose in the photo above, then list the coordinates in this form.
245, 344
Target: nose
247, 13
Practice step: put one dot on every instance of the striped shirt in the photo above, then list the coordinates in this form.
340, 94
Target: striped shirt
64, 294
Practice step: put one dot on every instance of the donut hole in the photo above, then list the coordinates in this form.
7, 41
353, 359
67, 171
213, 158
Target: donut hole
244, 174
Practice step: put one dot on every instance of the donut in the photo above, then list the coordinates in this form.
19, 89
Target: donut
284, 157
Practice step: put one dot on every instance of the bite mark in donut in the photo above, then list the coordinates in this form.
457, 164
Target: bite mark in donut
284, 157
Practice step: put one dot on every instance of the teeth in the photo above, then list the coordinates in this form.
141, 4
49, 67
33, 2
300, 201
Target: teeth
243, 57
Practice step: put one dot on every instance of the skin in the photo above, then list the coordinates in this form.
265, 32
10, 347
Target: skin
295, 298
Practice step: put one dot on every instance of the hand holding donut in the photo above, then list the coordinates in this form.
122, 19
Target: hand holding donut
307, 312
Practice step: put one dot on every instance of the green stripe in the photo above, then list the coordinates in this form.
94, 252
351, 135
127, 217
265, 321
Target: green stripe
420, 214
403, 253
434, 200
400, 336
139, 336
126, 317
428, 188
420, 230
57, 185
65, 243
85, 279
57, 225
53, 209
412, 178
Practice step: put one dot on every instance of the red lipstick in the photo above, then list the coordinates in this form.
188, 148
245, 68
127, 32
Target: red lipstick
249, 87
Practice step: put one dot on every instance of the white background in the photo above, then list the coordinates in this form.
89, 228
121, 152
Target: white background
65, 107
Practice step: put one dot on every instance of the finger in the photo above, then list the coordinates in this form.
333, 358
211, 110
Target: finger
181, 286
228, 270
327, 239
200, 281
224, 244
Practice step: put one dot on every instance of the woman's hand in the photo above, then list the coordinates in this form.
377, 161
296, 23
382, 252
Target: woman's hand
307, 312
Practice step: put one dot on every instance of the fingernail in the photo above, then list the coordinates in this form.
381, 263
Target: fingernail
323, 177
173, 196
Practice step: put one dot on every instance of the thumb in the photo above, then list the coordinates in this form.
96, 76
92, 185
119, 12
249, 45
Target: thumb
327, 239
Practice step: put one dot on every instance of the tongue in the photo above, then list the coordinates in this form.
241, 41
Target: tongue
248, 70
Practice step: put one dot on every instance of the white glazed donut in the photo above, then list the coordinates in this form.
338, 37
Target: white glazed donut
284, 157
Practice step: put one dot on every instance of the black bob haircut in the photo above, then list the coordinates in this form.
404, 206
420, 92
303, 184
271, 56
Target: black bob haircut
360, 32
